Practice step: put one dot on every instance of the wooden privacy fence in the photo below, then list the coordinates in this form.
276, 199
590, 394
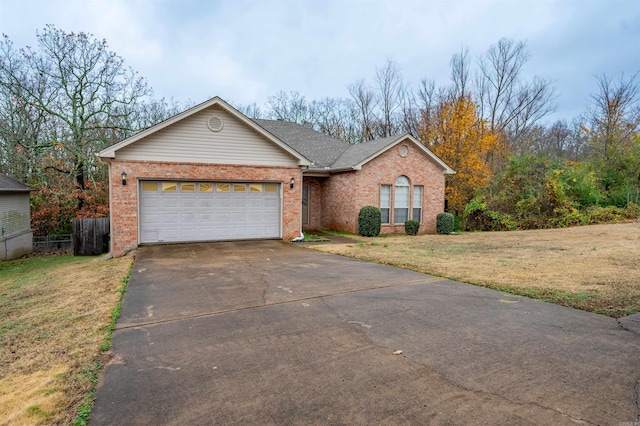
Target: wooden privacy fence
90, 236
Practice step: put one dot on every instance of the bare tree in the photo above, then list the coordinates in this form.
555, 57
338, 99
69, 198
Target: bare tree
612, 126
83, 89
557, 140
460, 66
509, 105
409, 112
337, 117
366, 102
614, 114
251, 110
390, 85
22, 128
290, 107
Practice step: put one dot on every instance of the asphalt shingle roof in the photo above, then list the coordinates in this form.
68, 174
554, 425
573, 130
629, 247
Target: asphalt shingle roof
8, 184
321, 149
324, 151
359, 152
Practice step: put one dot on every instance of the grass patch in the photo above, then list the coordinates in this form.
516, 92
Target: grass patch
313, 238
337, 233
594, 268
57, 313
84, 411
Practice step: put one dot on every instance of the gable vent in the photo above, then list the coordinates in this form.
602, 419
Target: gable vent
215, 123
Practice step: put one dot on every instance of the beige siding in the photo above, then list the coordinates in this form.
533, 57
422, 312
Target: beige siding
190, 140
14, 214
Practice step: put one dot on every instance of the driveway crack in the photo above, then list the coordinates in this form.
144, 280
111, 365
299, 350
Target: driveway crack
625, 328
358, 327
510, 401
637, 393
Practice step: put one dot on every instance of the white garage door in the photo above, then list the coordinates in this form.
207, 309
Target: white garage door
208, 211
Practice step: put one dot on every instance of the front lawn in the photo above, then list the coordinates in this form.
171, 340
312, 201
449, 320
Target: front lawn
595, 268
55, 315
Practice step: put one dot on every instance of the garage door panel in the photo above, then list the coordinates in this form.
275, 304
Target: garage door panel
169, 235
205, 218
271, 203
180, 216
254, 216
224, 232
169, 201
204, 202
238, 216
222, 218
188, 202
189, 233
239, 202
150, 202
255, 203
151, 218
186, 218
169, 218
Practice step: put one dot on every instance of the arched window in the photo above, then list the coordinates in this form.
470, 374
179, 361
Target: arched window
401, 200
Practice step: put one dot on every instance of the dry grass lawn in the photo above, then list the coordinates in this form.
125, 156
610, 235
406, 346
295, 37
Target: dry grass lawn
54, 314
595, 268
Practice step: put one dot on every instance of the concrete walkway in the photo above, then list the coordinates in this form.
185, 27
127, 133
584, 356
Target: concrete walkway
271, 333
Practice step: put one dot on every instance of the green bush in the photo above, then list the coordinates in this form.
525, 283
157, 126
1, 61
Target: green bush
369, 220
411, 227
633, 211
445, 223
609, 214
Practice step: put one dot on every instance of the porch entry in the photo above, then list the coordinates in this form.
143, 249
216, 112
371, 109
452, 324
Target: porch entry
305, 204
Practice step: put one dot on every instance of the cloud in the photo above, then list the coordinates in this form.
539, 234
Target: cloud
248, 50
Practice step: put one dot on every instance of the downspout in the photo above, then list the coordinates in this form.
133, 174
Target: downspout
301, 237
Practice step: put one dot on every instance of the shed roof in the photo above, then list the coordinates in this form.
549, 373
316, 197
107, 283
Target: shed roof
9, 184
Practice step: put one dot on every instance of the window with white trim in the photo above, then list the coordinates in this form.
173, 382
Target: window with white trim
416, 214
401, 200
385, 203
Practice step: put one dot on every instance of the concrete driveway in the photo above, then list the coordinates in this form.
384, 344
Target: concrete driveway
271, 333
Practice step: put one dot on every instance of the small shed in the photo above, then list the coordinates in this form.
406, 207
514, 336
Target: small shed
16, 235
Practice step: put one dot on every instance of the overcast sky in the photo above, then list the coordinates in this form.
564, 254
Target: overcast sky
246, 50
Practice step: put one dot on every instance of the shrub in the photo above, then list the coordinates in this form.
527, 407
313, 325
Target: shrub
633, 211
445, 223
477, 217
411, 227
369, 220
609, 214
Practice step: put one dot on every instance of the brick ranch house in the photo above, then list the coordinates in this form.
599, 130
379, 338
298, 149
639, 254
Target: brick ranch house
212, 174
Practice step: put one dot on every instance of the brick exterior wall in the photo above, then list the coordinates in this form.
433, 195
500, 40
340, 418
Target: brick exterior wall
339, 198
124, 199
339, 202
421, 170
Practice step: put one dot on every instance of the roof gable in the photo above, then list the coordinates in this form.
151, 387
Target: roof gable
362, 153
166, 133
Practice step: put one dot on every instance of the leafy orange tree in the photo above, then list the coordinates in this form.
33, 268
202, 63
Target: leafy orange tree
453, 130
